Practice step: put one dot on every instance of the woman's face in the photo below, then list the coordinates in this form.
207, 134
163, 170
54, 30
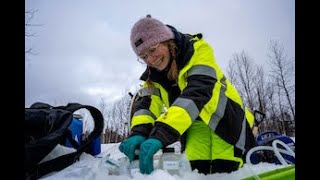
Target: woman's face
157, 56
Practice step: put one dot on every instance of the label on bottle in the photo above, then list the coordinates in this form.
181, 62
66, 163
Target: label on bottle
134, 171
170, 165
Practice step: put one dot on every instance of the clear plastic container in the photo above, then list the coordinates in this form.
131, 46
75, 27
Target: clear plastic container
174, 162
169, 161
134, 166
115, 166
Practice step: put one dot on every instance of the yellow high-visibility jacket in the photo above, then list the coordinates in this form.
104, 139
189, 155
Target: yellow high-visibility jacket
202, 92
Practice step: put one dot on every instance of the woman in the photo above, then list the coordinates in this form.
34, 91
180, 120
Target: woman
204, 110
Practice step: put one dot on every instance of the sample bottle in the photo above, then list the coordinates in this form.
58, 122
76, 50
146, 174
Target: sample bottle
174, 162
169, 161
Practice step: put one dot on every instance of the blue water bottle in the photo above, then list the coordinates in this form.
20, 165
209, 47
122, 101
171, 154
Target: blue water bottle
76, 128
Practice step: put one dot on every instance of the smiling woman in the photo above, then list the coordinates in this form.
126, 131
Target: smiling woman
204, 110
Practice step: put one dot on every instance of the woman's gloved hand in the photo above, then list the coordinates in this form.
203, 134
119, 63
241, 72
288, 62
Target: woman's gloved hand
129, 145
147, 149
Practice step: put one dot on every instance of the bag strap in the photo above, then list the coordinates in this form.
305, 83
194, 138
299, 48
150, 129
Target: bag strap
73, 142
97, 117
98, 122
66, 160
56, 164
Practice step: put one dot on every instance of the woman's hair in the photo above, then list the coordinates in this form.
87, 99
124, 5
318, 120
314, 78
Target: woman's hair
173, 71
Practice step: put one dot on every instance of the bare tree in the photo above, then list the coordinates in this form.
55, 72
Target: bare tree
282, 72
117, 118
272, 95
28, 25
242, 73
271, 108
252, 84
261, 94
232, 76
260, 85
281, 106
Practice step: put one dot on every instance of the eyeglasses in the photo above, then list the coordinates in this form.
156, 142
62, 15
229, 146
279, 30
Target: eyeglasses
143, 58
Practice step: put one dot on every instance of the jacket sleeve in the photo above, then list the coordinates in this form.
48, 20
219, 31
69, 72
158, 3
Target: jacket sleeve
146, 109
185, 109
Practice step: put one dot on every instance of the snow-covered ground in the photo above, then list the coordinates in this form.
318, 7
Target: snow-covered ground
94, 168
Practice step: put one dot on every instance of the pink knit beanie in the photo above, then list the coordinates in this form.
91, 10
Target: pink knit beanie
148, 32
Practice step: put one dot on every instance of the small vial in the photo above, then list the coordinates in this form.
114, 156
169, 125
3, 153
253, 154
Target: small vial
169, 161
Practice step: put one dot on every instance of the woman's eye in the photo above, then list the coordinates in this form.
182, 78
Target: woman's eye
152, 50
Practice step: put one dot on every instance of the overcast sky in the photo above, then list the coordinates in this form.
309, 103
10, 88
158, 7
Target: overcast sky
83, 51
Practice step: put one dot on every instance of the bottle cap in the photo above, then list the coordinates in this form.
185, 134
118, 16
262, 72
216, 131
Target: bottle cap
168, 149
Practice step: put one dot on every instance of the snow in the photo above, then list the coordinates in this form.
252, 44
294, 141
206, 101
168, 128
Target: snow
94, 168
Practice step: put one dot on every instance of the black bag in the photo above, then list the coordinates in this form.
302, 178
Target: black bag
46, 127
